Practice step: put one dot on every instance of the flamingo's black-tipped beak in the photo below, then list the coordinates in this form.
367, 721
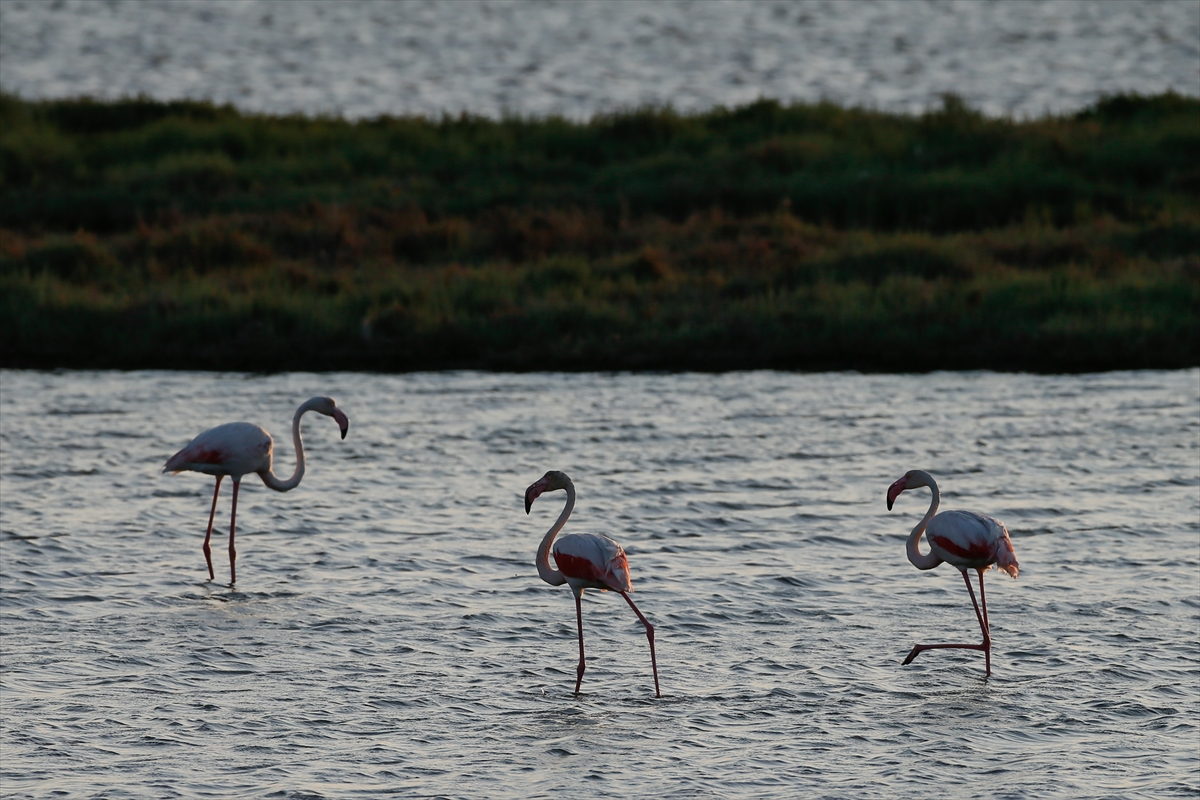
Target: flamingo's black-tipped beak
895, 489
533, 492
342, 420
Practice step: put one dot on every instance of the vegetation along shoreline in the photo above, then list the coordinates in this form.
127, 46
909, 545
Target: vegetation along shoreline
184, 235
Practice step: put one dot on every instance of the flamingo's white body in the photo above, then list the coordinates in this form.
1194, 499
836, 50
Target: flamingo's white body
585, 561
963, 539
237, 449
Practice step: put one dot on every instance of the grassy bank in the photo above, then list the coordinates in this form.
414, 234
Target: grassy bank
144, 234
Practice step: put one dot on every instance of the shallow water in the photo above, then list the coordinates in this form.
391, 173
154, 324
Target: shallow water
389, 634
584, 57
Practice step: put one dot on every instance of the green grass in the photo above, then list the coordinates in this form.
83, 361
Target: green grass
184, 235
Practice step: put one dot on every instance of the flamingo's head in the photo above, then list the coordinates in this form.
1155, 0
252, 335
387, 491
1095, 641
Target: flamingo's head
326, 406
912, 479
547, 483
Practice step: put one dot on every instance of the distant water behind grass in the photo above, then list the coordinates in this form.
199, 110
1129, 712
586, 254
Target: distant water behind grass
360, 59
138, 233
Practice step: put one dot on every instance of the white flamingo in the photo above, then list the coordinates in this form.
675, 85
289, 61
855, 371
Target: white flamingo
963, 539
240, 448
585, 561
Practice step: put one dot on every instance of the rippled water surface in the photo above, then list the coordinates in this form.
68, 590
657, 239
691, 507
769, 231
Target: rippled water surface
389, 634
583, 57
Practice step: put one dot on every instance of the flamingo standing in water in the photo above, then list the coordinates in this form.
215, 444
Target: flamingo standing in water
585, 561
963, 539
239, 448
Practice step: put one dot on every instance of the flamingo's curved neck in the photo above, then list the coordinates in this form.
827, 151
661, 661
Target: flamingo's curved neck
919, 560
269, 477
546, 572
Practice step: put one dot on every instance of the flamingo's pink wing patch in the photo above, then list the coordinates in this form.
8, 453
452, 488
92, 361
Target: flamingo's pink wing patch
578, 567
974, 551
202, 455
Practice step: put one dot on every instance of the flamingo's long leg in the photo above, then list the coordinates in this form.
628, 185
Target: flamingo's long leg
983, 626
985, 645
649, 637
983, 602
208, 535
579, 619
987, 626
232, 527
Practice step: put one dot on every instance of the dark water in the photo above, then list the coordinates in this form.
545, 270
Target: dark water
389, 634
579, 58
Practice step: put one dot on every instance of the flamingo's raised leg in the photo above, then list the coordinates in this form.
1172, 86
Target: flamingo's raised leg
208, 534
985, 645
649, 637
579, 618
232, 526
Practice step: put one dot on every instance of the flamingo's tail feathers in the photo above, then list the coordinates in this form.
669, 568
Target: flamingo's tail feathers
1006, 558
618, 573
175, 463
195, 455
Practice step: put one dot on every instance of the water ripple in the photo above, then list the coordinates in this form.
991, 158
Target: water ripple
389, 634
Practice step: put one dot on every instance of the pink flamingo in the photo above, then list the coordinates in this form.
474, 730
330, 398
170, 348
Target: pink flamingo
239, 448
963, 539
585, 561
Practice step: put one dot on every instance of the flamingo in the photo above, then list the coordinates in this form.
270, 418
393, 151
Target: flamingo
963, 539
585, 561
239, 448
